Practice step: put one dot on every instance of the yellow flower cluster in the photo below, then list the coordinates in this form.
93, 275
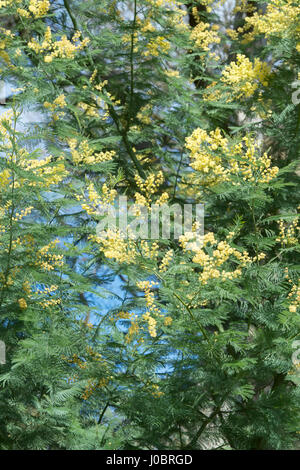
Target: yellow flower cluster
205, 160
6, 33
23, 213
163, 3
95, 356
9, 280
151, 324
232, 33
212, 256
244, 76
58, 103
157, 46
146, 286
147, 22
154, 390
148, 188
92, 386
5, 123
84, 154
63, 48
47, 260
92, 356
216, 159
88, 110
38, 8
47, 292
166, 261
52, 175
50, 303
144, 115
8, 3
172, 73
168, 321
133, 330
3, 53
22, 304
95, 202
76, 360
123, 316
149, 249
27, 287
4, 178
294, 296
280, 18
204, 35
146, 25
288, 234
100, 106
116, 247
49, 173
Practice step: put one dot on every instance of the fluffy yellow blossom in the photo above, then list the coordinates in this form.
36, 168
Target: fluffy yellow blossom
288, 233
46, 259
100, 106
148, 188
83, 153
8, 3
212, 256
166, 261
280, 18
147, 26
172, 73
23, 213
4, 178
144, 115
58, 103
132, 331
168, 321
38, 8
92, 386
48, 172
114, 246
23, 13
26, 287
94, 201
152, 310
6, 119
232, 33
22, 303
217, 159
294, 297
157, 46
204, 36
151, 324
154, 390
244, 76
63, 48
149, 249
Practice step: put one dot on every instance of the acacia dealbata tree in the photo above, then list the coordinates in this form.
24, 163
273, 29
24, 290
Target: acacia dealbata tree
164, 102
